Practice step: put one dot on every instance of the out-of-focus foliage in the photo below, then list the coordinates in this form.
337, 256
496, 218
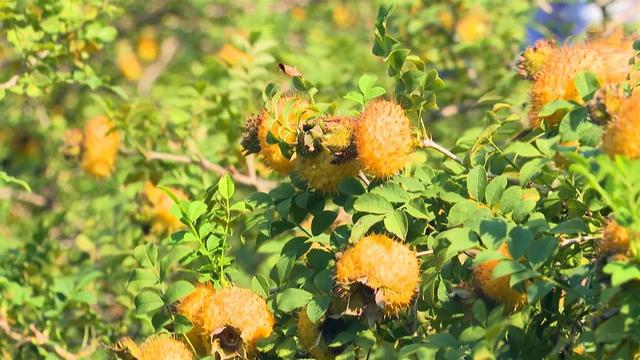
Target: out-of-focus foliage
507, 226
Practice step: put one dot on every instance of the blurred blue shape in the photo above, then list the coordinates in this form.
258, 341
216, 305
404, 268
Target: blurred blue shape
563, 19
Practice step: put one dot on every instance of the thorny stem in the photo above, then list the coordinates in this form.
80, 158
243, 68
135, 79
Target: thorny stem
424, 253
429, 143
364, 178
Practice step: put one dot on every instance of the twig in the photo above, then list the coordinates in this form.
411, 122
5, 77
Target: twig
424, 253
429, 143
248, 180
27, 197
577, 240
41, 339
362, 176
168, 50
9, 83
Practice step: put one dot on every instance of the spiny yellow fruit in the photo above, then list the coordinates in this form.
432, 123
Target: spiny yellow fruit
606, 58
341, 16
310, 337
164, 347
128, 349
191, 307
606, 103
282, 122
333, 156
148, 45
615, 239
622, 135
498, 289
158, 207
473, 26
232, 55
322, 173
235, 319
445, 17
100, 147
127, 62
388, 268
534, 57
383, 138
298, 13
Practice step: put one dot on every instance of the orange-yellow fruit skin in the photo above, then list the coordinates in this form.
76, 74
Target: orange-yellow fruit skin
321, 174
128, 62
388, 266
607, 58
191, 307
622, 135
473, 26
283, 126
341, 16
240, 309
158, 206
147, 46
232, 55
383, 138
129, 348
615, 239
164, 347
498, 289
100, 147
310, 338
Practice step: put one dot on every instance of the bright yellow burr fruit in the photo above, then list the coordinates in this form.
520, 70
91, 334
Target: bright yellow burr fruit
164, 347
342, 16
383, 137
380, 272
157, 205
622, 135
615, 239
607, 58
498, 289
127, 349
311, 338
473, 26
333, 154
148, 48
191, 307
279, 123
232, 55
534, 57
100, 147
127, 61
235, 319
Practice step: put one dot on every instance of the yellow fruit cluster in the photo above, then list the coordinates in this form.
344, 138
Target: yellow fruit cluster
498, 289
332, 158
157, 206
473, 26
615, 239
388, 268
148, 45
553, 70
383, 138
281, 122
325, 150
227, 322
156, 347
622, 135
128, 62
100, 147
